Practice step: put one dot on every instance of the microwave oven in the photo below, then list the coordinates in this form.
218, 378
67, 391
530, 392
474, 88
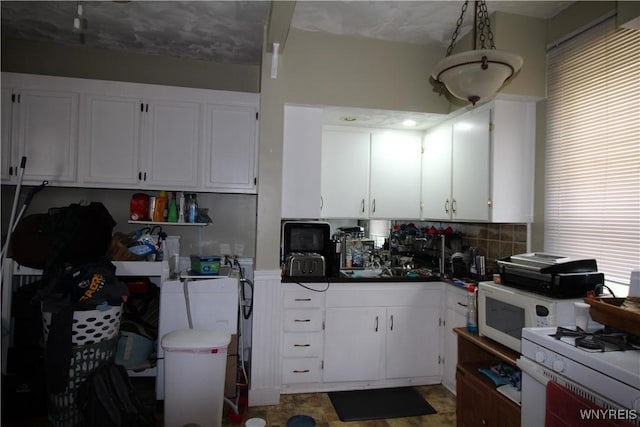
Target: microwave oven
503, 311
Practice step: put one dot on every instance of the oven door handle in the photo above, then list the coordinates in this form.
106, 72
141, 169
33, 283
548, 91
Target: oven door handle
532, 369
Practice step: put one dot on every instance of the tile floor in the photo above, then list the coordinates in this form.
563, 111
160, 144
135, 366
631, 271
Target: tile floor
318, 406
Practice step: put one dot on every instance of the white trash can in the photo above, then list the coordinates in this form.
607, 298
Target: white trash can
195, 368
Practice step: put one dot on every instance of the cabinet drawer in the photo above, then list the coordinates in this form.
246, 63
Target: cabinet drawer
457, 299
303, 299
301, 370
298, 344
302, 320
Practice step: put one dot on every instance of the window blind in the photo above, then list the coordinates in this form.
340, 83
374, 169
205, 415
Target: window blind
592, 177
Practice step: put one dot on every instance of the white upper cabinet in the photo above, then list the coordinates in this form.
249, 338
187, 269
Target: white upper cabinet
41, 125
479, 166
171, 140
231, 148
128, 135
395, 175
133, 142
301, 150
436, 173
111, 136
470, 166
345, 173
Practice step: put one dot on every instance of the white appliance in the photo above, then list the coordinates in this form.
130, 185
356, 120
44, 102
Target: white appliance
212, 303
608, 376
503, 311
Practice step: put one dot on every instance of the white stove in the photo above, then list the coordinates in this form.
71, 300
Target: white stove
605, 374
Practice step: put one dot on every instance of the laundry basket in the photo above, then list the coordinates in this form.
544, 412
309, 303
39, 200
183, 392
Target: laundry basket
95, 335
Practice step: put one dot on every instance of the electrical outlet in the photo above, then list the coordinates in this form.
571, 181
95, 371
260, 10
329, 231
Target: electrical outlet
225, 249
238, 249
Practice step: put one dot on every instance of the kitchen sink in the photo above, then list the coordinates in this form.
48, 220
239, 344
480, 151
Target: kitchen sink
384, 273
358, 273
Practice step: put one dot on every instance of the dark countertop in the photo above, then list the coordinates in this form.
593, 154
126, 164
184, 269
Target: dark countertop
370, 280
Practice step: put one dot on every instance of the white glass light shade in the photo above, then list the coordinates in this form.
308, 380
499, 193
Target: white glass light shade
465, 77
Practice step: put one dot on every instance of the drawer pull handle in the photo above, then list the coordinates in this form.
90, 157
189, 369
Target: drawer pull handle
461, 304
302, 345
302, 299
304, 371
302, 320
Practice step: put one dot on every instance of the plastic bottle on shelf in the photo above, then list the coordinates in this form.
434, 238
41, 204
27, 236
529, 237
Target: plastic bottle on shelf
191, 208
472, 321
173, 209
160, 211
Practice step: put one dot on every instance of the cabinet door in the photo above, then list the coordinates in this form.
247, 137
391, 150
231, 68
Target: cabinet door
474, 402
170, 156
436, 174
47, 134
470, 182
345, 174
395, 175
231, 148
301, 149
413, 342
110, 148
8, 164
354, 344
455, 317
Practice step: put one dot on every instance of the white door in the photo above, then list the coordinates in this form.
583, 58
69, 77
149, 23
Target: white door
8, 163
395, 175
470, 183
345, 174
354, 344
47, 134
436, 174
231, 148
413, 342
111, 133
453, 319
170, 151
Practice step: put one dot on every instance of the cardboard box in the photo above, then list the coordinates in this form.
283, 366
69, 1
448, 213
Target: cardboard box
233, 346
231, 376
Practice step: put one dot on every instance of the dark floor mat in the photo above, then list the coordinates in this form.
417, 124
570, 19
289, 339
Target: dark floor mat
379, 403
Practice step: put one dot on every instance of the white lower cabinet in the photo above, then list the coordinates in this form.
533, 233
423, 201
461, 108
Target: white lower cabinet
455, 317
362, 335
302, 338
397, 336
354, 349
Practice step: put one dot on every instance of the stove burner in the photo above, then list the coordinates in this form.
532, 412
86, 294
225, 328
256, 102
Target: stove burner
607, 339
590, 342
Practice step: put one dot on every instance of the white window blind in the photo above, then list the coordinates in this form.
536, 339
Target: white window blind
592, 178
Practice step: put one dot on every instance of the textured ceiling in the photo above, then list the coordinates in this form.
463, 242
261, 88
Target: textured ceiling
233, 31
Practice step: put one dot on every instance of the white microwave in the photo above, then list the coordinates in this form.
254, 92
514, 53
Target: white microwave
503, 311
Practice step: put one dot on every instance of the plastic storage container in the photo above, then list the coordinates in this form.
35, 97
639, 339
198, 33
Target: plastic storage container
195, 368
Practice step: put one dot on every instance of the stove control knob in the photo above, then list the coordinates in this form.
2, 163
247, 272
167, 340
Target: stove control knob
558, 365
540, 356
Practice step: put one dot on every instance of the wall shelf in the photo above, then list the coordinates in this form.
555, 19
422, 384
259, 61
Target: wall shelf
179, 224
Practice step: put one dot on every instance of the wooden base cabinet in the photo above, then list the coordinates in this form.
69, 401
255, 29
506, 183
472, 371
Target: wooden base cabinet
478, 403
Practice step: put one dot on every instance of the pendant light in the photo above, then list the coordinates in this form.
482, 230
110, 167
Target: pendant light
476, 75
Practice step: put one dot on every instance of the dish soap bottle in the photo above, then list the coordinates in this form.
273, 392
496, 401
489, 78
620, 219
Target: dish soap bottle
472, 322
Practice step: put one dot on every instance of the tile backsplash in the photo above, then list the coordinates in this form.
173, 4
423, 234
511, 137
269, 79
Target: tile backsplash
494, 241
